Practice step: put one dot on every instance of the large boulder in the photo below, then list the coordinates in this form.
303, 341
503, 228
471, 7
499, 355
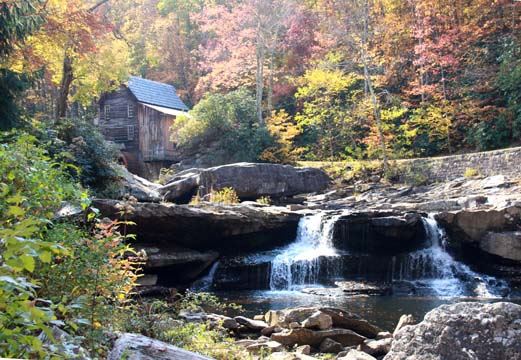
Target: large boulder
207, 226
249, 180
347, 320
462, 331
503, 244
487, 238
139, 347
301, 336
139, 188
340, 319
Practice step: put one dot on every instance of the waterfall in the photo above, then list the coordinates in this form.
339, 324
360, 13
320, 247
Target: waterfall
205, 283
309, 257
435, 269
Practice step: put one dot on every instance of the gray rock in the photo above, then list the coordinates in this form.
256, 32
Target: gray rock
225, 321
330, 346
252, 180
256, 325
318, 320
347, 320
289, 356
303, 349
404, 321
340, 318
314, 338
383, 335
139, 347
376, 347
180, 188
245, 342
137, 187
192, 262
462, 331
504, 244
353, 354
265, 347
270, 330
206, 226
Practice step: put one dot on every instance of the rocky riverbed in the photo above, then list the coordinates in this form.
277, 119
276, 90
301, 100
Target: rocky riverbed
458, 331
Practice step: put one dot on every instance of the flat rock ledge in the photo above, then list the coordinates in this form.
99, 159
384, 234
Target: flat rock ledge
462, 331
203, 226
139, 347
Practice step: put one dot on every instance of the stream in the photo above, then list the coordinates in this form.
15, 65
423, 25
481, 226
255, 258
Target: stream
421, 280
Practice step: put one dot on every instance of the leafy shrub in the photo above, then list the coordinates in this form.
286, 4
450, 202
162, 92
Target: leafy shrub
265, 200
285, 131
228, 120
491, 134
159, 319
82, 146
224, 196
53, 272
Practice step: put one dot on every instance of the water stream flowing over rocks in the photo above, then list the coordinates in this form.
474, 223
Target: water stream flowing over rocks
302, 261
435, 271
327, 257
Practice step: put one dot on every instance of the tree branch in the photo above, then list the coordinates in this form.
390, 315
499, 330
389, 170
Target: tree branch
97, 5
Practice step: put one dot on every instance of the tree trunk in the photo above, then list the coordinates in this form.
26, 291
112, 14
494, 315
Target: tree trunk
377, 116
270, 83
259, 75
67, 77
369, 84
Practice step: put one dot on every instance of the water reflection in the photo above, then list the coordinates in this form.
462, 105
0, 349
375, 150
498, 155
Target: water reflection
383, 311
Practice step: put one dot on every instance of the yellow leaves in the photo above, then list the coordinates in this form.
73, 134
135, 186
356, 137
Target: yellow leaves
28, 262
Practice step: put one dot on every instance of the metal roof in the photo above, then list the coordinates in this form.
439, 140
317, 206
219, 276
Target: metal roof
167, 111
155, 93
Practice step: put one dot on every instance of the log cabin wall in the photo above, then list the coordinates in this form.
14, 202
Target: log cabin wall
118, 119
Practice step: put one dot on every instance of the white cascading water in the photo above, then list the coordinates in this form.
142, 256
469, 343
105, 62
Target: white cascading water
436, 269
205, 283
300, 262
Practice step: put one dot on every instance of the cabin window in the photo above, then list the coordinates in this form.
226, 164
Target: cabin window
130, 132
130, 110
107, 112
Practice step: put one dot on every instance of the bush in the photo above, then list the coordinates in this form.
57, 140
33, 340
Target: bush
471, 172
159, 319
224, 196
228, 120
54, 271
264, 200
491, 134
81, 145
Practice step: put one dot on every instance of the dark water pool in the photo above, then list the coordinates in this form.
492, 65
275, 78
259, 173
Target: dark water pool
383, 311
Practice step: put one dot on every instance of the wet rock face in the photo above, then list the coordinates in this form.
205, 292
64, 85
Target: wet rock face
239, 274
380, 233
462, 331
487, 238
208, 226
175, 265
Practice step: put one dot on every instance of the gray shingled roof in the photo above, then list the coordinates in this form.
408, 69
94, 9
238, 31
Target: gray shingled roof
155, 93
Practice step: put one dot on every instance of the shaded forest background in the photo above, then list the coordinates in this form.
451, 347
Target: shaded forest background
313, 80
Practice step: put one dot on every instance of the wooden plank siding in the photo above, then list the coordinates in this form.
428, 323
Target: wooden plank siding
118, 126
144, 136
154, 134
